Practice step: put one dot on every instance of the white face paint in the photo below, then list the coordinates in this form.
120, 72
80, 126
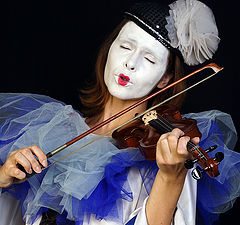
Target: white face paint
135, 64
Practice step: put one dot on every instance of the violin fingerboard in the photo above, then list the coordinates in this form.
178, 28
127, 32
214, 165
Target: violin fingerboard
161, 125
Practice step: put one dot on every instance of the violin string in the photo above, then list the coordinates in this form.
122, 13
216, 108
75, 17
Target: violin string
162, 120
161, 125
137, 116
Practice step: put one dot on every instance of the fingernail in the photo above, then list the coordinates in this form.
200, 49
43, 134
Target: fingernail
21, 175
30, 171
38, 169
44, 163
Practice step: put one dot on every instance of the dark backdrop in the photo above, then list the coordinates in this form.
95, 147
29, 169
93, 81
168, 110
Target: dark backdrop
50, 48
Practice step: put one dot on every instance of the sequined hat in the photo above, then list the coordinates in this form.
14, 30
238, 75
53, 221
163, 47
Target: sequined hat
187, 26
151, 17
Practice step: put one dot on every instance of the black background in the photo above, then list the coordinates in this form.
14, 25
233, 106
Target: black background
50, 48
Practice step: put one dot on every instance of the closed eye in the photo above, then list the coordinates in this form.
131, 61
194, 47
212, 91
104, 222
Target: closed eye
125, 47
150, 60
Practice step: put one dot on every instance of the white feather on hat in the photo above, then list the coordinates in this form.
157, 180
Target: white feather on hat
192, 29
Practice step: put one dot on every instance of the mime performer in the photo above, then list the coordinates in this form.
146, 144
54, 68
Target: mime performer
102, 184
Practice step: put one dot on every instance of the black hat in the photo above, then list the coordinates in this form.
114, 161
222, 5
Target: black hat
151, 17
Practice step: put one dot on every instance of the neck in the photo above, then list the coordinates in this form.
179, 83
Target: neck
113, 106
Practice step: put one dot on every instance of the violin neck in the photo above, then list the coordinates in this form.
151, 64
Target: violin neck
162, 125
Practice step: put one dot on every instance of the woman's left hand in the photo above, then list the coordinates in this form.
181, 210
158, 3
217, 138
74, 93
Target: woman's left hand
172, 153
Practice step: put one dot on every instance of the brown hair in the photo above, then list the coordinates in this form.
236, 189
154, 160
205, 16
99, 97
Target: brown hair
96, 95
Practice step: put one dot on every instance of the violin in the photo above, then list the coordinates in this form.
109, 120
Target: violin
145, 138
144, 133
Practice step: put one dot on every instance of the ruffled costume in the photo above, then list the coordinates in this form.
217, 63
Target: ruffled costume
92, 181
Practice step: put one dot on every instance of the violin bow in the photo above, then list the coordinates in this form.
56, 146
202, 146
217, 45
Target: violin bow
212, 66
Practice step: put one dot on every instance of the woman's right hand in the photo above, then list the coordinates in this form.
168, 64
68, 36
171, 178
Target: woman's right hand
24, 157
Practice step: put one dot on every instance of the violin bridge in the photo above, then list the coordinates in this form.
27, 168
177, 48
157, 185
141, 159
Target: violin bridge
151, 115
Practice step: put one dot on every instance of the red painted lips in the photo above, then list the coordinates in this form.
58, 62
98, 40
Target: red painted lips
123, 80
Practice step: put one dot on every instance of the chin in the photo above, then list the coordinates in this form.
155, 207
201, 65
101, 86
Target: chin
124, 95
118, 95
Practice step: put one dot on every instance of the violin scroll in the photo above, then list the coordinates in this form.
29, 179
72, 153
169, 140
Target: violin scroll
211, 165
197, 172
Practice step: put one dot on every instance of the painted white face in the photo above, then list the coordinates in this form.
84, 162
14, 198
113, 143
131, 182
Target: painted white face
135, 64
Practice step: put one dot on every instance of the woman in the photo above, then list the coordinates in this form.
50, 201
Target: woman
117, 186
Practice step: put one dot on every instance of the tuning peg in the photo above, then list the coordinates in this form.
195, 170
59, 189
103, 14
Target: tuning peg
211, 148
189, 163
219, 156
197, 173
